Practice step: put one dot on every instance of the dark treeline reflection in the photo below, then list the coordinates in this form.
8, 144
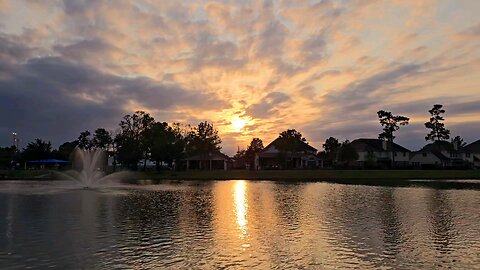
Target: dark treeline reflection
239, 224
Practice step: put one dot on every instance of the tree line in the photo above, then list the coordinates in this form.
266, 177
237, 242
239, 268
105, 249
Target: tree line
140, 138
336, 151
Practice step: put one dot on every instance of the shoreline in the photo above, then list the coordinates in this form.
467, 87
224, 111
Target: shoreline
317, 175
277, 175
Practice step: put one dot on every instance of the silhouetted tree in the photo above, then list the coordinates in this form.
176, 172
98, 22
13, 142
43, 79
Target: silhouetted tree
37, 149
331, 147
256, 146
168, 144
289, 141
66, 149
292, 134
459, 141
102, 139
390, 124
240, 158
84, 140
133, 142
203, 139
347, 153
438, 131
7, 156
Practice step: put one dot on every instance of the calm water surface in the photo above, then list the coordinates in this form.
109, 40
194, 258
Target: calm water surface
238, 224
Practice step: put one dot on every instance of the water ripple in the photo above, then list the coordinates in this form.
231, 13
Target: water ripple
239, 224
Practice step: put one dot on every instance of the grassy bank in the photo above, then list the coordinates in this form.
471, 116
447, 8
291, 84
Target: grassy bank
25, 174
291, 175
312, 175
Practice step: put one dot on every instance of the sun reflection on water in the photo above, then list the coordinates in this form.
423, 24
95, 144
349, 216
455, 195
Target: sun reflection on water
241, 206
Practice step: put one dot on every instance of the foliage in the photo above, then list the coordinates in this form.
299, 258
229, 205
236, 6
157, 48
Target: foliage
255, 147
84, 140
203, 139
390, 124
438, 131
331, 147
134, 141
240, 158
347, 153
37, 149
167, 144
7, 156
290, 140
102, 139
459, 141
66, 149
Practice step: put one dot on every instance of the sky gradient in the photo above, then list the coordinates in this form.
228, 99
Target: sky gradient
252, 68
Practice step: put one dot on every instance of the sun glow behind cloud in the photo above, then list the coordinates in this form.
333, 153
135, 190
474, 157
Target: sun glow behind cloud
238, 124
253, 68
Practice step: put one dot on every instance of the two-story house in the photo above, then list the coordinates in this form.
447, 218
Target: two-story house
472, 153
376, 152
440, 154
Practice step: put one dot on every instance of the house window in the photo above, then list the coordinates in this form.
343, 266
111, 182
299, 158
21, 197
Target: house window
404, 154
395, 153
416, 164
467, 155
424, 154
453, 154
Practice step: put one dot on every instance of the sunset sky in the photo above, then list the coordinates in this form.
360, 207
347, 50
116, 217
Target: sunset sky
252, 68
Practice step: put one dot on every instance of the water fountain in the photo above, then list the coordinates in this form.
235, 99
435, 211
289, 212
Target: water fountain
88, 168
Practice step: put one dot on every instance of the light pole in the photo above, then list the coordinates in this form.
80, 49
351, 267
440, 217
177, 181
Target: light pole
15, 140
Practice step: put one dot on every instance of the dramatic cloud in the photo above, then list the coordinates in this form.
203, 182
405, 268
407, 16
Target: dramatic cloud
269, 105
323, 67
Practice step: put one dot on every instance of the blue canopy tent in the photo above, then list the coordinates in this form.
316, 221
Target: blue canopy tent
48, 161
43, 163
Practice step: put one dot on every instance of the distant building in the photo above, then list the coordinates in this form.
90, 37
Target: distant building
271, 157
376, 152
208, 161
472, 153
440, 154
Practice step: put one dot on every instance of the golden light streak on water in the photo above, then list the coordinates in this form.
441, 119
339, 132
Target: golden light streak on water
241, 206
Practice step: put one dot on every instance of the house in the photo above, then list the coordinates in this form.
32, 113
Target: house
208, 161
271, 157
380, 153
440, 154
472, 153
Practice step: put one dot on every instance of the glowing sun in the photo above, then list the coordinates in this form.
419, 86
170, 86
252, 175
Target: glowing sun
238, 123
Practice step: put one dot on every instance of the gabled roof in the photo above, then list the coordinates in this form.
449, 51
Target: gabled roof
473, 147
302, 145
436, 149
375, 145
441, 146
439, 155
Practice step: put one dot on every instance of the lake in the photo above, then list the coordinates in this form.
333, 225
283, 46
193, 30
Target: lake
238, 224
